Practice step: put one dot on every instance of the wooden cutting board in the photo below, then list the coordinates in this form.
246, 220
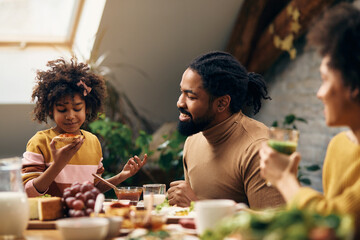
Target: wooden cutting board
37, 224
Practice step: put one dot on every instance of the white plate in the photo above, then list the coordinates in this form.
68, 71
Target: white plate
181, 229
170, 212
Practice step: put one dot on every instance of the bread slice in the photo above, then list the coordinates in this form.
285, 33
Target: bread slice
47, 208
67, 137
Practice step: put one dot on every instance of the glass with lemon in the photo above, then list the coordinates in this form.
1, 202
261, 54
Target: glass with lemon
283, 140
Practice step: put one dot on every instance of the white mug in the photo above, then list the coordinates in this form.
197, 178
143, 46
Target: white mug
210, 212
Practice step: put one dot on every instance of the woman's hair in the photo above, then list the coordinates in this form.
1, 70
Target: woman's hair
64, 79
223, 75
337, 35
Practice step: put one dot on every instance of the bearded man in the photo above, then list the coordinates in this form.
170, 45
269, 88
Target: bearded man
221, 159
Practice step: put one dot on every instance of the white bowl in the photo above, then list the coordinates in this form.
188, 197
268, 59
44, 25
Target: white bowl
83, 228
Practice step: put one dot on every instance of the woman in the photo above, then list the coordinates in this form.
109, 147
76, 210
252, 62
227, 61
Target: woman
338, 37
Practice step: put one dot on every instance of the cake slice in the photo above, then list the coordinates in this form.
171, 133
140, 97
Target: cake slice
33, 208
48, 208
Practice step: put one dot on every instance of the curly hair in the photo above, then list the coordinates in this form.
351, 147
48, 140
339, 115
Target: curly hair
62, 79
222, 74
337, 35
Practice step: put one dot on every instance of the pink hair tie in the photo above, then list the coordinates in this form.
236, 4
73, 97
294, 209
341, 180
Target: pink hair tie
87, 89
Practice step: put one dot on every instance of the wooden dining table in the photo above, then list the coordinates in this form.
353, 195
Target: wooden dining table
49, 232
42, 234
46, 230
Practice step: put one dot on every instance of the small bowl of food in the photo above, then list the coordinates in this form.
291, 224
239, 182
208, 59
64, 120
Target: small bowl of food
83, 228
144, 219
116, 208
129, 193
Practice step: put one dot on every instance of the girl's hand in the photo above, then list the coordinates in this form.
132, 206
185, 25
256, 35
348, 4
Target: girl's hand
133, 166
63, 155
275, 166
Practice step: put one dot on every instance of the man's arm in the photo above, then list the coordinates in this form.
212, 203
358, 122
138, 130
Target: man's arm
259, 195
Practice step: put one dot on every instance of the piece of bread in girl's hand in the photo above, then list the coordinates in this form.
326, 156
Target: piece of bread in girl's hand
67, 137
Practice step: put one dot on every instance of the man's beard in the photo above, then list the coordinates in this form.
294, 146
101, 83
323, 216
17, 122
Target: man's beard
191, 127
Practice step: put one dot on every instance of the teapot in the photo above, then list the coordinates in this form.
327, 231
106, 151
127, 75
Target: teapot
14, 207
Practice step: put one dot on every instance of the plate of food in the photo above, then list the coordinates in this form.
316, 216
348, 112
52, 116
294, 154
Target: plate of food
175, 213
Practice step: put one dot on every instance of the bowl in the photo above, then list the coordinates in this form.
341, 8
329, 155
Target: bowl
114, 226
83, 228
129, 193
140, 219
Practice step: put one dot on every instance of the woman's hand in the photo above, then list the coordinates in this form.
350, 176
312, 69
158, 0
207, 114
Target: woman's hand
276, 166
133, 166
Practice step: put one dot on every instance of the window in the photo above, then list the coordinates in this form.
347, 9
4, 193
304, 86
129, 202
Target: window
32, 32
39, 21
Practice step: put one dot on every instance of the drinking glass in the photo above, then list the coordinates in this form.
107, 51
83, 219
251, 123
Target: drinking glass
14, 207
155, 191
283, 140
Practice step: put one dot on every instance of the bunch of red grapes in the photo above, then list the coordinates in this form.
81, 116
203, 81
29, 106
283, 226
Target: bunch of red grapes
79, 199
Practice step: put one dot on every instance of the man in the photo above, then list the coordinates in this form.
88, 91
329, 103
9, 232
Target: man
221, 155
338, 37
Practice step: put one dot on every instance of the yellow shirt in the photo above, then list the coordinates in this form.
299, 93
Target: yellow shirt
37, 158
341, 181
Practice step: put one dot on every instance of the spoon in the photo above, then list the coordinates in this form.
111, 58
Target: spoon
98, 204
106, 182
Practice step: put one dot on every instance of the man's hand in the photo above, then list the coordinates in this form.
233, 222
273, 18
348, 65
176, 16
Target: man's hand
181, 194
133, 166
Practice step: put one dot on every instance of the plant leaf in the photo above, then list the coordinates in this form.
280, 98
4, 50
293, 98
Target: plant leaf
301, 120
275, 124
289, 119
305, 181
313, 168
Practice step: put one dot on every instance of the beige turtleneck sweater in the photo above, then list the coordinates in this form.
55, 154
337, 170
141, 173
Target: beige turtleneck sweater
223, 163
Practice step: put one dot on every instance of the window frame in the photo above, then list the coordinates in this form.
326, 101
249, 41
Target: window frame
67, 43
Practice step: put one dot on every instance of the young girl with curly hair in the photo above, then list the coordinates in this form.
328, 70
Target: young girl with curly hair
70, 95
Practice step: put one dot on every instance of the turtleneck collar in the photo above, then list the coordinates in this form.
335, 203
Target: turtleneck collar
220, 132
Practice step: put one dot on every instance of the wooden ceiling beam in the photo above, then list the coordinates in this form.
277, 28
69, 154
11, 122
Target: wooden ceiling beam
253, 18
288, 25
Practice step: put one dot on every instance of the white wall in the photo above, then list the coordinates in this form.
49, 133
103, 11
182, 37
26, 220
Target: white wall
16, 128
160, 37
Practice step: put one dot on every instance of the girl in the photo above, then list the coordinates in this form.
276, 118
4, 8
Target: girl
69, 94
